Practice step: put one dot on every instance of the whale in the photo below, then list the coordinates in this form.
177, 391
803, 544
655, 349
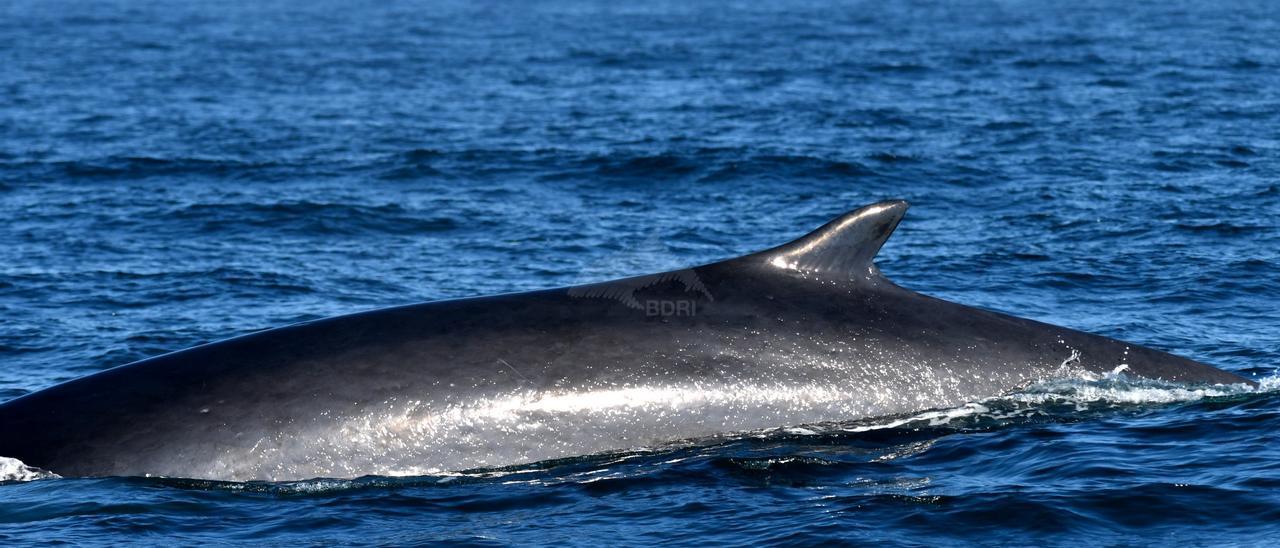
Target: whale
808, 332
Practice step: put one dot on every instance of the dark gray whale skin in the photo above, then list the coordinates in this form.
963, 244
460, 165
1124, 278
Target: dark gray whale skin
804, 333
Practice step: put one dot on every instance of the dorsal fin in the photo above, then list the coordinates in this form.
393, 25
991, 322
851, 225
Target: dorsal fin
844, 247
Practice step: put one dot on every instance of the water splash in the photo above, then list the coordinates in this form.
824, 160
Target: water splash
13, 470
1061, 398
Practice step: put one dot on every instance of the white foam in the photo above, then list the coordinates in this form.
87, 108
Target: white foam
16, 470
1085, 391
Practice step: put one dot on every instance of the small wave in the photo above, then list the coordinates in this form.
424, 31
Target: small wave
1246, 64
314, 217
788, 166
893, 158
1007, 125
1224, 228
15, 470
658, 165
910, 68
1232, 163
1056, 63
1111, 83
705, 164
414, 164
137, 167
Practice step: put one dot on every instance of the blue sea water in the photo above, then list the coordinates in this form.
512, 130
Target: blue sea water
173, 173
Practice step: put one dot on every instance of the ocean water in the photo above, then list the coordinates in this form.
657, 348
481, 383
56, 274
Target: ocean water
173, 173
